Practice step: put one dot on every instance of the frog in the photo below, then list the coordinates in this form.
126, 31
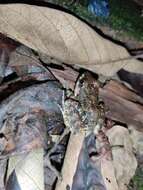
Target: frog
84, 110
81, 110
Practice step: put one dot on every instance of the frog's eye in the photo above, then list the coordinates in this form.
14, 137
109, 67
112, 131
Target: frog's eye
81, 82
101, 104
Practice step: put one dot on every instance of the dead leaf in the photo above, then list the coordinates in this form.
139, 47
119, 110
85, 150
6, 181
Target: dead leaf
29, 67
28, 171
7, 46
122, 91
67, 76
71, 160
65, 38
109, 176
122, 104
124, 160
137, 139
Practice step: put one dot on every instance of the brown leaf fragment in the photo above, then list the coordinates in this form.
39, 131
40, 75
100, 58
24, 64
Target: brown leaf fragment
4, 58
121, 105
67, 76
25, 65
7, 43
122, 91
7, 46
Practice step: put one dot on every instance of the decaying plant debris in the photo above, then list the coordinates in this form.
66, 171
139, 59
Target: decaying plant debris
42, 97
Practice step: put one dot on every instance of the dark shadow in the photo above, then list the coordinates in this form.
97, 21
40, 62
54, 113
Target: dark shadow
134, 79
137, 52
13, 183
10, 77
18, 85
120, 123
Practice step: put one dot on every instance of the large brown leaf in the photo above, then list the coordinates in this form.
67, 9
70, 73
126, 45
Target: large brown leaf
27, 115
65, 38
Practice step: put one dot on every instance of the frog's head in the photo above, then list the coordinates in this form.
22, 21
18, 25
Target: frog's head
86, 84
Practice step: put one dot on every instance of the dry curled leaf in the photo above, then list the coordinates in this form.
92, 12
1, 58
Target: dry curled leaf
65, 38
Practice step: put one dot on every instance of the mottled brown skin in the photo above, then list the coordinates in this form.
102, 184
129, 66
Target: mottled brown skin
88, 91
83, 110
88, 99
71, 115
